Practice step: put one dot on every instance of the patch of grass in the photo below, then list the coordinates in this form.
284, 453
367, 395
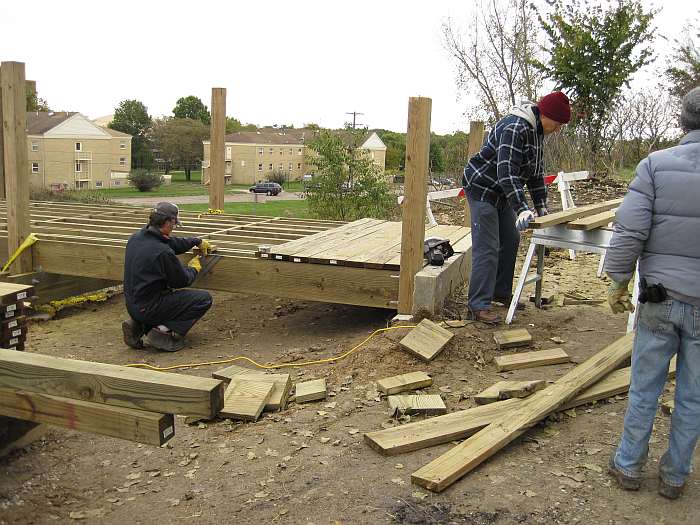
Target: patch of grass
626, 173
297, 209
84, 196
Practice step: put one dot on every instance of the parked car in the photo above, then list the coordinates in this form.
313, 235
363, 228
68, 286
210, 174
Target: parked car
269, 188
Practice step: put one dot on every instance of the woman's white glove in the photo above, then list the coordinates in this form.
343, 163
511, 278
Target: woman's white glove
524, 219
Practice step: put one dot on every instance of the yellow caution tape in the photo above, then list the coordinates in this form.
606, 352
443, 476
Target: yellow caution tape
31, 239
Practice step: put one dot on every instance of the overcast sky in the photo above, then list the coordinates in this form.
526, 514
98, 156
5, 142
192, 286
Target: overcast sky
281, 62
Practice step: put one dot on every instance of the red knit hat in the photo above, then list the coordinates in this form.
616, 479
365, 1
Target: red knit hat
555, 106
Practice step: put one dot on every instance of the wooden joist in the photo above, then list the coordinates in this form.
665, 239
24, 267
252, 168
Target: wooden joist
111, 384
448, 468
574, 213
592, 222
404, 382
507, 390
282, 383
426, 340
428, 404
553, 356
125, 423
512, 338
245, 398
314, 390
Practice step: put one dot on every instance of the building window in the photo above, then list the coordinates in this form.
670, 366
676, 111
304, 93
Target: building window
35, 146
78, 167
260, 166
281, 151
122, 161
291, 151
98, 184
269, 168
272, 150
298, 151
78, 146
242, 164
298, 165
122, 145
290, 166
281, 167
116, 183
35, 167
260, 151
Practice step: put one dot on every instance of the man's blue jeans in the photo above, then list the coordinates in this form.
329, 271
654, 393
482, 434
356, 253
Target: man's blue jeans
494, 250
663, 330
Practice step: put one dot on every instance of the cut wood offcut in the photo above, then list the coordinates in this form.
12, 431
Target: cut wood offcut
512, 338
245, 398
552, 356
404, 382
426, 340
281, 389
310, 391
507, 390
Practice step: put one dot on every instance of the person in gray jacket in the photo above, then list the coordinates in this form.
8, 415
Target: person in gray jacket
658, 224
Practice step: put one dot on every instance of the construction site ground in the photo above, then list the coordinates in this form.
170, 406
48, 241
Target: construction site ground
309, 463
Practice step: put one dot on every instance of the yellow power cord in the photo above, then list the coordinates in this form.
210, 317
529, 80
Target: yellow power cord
274, 366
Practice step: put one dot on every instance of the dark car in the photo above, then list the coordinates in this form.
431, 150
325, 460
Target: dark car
269, 188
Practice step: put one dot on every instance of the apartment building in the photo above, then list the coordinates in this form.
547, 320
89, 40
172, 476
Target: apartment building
251, 156
68, 151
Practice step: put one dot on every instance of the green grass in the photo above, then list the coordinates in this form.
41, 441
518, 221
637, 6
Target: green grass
626, 174
298, 209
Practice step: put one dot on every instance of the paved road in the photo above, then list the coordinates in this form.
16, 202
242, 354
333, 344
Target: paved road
203, 199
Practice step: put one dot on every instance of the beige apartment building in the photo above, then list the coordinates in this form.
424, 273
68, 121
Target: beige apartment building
68, 151
252, 156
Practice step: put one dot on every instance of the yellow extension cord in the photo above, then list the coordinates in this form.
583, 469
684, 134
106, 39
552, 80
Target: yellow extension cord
274, 366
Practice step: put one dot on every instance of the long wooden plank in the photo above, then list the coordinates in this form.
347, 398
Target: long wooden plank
592, 222
282, 383
464, 423
125, 423
111, 384
448, 468
404, 382
574, 213
553, 356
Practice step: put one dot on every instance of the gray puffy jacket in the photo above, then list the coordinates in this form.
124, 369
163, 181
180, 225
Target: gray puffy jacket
658, 222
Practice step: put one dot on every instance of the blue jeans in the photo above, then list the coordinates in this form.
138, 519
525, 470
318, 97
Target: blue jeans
664, 329
494, 250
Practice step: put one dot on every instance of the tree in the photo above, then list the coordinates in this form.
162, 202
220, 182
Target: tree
683, 70
34, 103
233, 125
179, 141
497, 57
131, 116
348, 184
395, 149
593, 52
193, 108
144, 180
437, 157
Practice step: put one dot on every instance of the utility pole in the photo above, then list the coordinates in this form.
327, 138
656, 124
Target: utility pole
354, 118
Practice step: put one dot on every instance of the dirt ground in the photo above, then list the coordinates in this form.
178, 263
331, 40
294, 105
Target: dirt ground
309, 464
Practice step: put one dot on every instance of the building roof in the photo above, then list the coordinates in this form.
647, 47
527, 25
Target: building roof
274, 136
115, 133
39, 122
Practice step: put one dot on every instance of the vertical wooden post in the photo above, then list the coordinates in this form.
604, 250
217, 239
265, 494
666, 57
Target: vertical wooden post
2, 152
15, 158
216, 148
416, 193
476, 140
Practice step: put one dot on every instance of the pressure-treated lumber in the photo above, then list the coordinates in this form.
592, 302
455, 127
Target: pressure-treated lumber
448, 468
245, 398
111, 384
416, 193
15, 158
464, 423
507, 390
216, 148
574, 213
125, 423
426, 404
282, 383
12, 293
512, 338
553, 356
592, 222
404, 382
426, 340
310, 391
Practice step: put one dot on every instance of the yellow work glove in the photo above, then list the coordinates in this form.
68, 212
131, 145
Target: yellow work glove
195, 264
619, 297
205, 247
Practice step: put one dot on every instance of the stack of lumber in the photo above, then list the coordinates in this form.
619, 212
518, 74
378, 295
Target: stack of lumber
580, 218
13, 325
277, 400
490, 427
118, 401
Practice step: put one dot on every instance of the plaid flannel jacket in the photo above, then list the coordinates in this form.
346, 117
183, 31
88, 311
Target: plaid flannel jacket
510, 159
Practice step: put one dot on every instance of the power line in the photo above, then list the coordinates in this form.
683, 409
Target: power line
354, 118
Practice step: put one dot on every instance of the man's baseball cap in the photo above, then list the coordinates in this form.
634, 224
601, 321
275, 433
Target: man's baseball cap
168, 209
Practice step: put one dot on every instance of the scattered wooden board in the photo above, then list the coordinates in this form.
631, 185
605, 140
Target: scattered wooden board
125, 423
426, 340
429, 404
449, 467
245, 398
573, 213
280, 392
507, 390
464, 423
512, 338
310, 391
552, 356
592, 222
404, 382
111, 384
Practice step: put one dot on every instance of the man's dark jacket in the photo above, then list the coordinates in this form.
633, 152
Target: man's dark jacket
151, 267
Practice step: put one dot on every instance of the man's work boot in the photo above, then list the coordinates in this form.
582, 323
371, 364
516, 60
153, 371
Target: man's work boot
168, 342
670, 491
626, 482
133, 332
487, 316
505, 301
